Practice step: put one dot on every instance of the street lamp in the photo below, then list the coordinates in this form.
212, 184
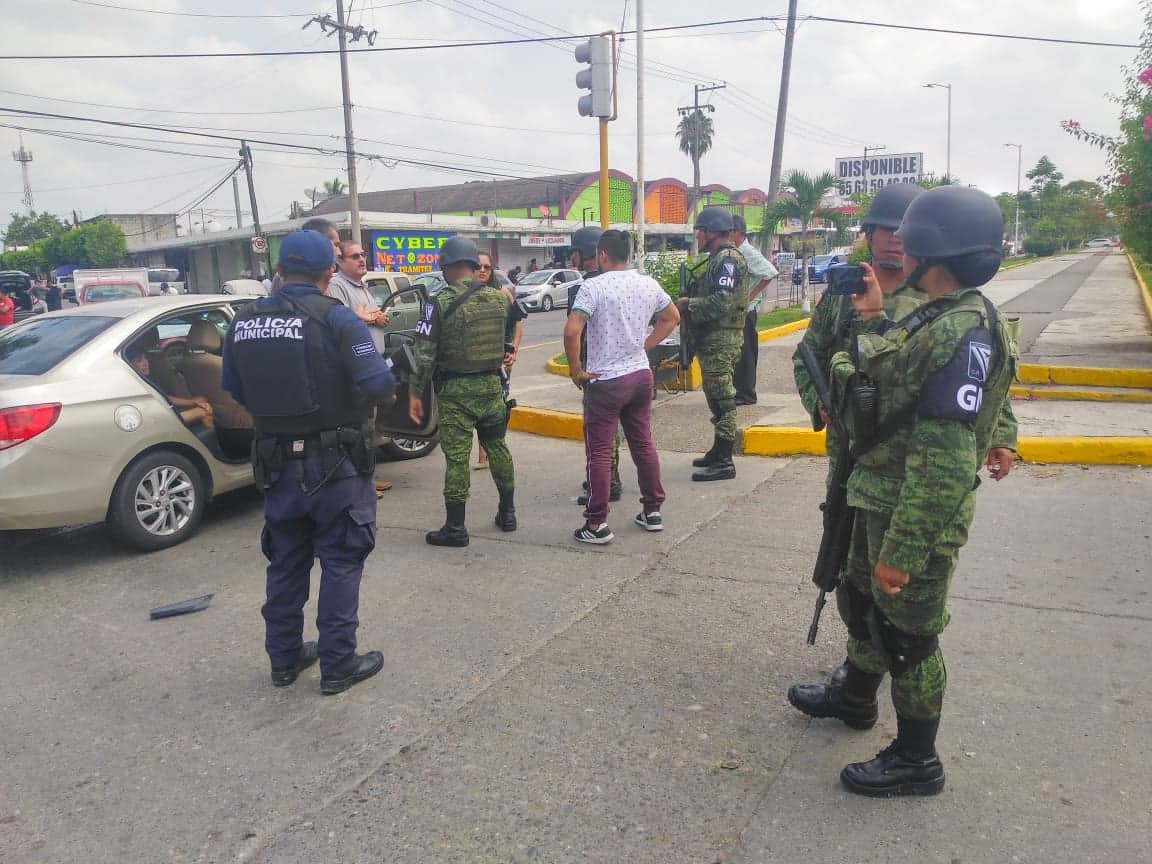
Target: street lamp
948, 156
1019, 158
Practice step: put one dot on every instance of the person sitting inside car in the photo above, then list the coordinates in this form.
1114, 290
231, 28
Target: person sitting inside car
196, 409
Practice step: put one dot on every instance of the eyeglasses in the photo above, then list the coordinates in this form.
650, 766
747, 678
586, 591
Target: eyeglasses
355, 255
483, 266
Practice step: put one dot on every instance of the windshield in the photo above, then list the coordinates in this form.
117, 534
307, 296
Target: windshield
40, 344
111, 291
537, 278
822, 259
164, 274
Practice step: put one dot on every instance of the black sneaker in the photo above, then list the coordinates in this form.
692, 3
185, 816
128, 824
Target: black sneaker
597, 537
650, 521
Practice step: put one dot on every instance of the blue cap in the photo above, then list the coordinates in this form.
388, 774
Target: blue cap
305, 252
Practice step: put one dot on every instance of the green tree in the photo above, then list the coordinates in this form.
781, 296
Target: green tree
334, 188
804, 202
26, 230
103, 243
1045, 178
694, 134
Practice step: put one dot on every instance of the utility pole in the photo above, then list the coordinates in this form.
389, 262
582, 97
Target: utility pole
246, 161
640, 192
1019, 165
868, 150
948, 130
782, 104
24, 157
236, 201
343, 31
694, 111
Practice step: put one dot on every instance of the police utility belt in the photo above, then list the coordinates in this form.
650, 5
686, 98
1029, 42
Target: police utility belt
333, 447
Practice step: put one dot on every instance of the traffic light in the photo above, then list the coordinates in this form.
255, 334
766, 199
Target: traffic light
597, 78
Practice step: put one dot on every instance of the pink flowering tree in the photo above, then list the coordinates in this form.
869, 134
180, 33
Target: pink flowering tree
1130, 152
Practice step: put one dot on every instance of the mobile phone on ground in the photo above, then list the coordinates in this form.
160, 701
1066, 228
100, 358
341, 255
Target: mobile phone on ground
845, 279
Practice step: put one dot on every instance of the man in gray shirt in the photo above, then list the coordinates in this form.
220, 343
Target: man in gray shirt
347, 286
744, 375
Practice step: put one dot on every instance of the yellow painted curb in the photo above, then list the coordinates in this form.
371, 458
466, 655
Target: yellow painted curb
1083, 376
544, 421
798, 441
1071, 394
557, 368
1087, 451
1144, 295
694, 380
782, 330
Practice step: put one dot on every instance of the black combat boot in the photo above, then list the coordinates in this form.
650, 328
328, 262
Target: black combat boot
453, 533
615, 491
506, 513
907, 766
708, 458
722, 467
849, 696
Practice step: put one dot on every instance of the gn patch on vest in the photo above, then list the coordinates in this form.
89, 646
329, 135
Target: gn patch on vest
726, 276
956, 391
428, 327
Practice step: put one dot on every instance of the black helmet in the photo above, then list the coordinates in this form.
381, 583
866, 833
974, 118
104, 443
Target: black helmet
888, 206
713, 218
457, 250
952, 220
584, 240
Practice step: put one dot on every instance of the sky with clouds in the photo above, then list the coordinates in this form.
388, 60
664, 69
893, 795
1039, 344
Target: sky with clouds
479, 113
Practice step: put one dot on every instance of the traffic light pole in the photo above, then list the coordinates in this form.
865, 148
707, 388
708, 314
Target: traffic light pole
604, 173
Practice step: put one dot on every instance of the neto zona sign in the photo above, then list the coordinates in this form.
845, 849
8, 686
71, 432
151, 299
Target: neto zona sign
855, 174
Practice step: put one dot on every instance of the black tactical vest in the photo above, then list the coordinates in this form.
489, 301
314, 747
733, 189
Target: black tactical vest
291, 384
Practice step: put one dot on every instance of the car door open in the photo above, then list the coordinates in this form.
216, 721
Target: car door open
404, 307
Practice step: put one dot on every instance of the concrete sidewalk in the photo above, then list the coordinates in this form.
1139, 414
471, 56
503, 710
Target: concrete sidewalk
1081, 309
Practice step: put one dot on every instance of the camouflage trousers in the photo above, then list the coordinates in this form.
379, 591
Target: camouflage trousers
716, 366
919, 609
467, 404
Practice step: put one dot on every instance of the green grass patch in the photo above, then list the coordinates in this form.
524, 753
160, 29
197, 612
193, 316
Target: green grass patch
562, 359
1020, 260
1145, 270
779, 316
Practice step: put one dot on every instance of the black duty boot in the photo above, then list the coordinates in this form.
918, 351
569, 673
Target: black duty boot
722, 467
360, 668
850, 696
453, 533
506, 513
282, 676
708, 458
907, 766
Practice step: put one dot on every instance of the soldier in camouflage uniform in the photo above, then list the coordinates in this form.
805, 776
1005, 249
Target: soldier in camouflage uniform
712, 317
941, 379
462, 345
850, 694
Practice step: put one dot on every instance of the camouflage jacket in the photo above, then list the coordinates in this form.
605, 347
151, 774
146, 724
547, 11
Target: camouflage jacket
718, 294
430, 330
950, 380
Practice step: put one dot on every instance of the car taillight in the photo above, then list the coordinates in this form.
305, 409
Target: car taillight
18, 425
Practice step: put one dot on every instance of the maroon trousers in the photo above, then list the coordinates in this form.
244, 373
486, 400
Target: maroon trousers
624, 401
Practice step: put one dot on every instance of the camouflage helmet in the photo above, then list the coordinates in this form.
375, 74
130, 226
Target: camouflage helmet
888, 206
584, 240
715, 219
459, 250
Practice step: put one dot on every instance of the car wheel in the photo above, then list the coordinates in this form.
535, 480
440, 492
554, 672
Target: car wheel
546, 304
158, 501
397, 449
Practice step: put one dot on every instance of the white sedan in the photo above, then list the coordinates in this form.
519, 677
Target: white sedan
546, 290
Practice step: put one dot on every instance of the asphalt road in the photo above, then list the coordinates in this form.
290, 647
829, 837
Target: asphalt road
547, 702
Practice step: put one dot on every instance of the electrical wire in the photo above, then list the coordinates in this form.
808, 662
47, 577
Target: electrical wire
149, 109
117, 8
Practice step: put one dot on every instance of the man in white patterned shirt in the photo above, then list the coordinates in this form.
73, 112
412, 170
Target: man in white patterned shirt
616, 308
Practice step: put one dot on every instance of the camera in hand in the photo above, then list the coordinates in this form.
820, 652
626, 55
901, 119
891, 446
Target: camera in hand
845, 279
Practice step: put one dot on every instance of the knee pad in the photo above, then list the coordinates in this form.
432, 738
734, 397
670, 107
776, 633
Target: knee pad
903, 650
493, 431
854, 608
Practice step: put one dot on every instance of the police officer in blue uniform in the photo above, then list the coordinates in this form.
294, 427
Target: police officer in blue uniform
304, 365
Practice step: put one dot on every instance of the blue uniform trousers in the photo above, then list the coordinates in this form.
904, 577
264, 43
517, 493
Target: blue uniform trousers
336, 524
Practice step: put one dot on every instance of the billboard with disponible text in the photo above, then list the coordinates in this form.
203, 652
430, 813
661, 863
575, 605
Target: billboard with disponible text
857, 174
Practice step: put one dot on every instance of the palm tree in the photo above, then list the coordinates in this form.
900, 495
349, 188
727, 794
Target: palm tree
806, 193
334, 187
694, 133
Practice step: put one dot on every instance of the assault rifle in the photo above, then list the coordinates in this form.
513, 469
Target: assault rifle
839, 518
687, 349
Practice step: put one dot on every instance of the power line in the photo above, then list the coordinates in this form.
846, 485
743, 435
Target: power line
550, 39
117, 8
152, 110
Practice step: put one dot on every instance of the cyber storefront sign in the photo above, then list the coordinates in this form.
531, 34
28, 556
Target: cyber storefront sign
857, 174
408, 251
